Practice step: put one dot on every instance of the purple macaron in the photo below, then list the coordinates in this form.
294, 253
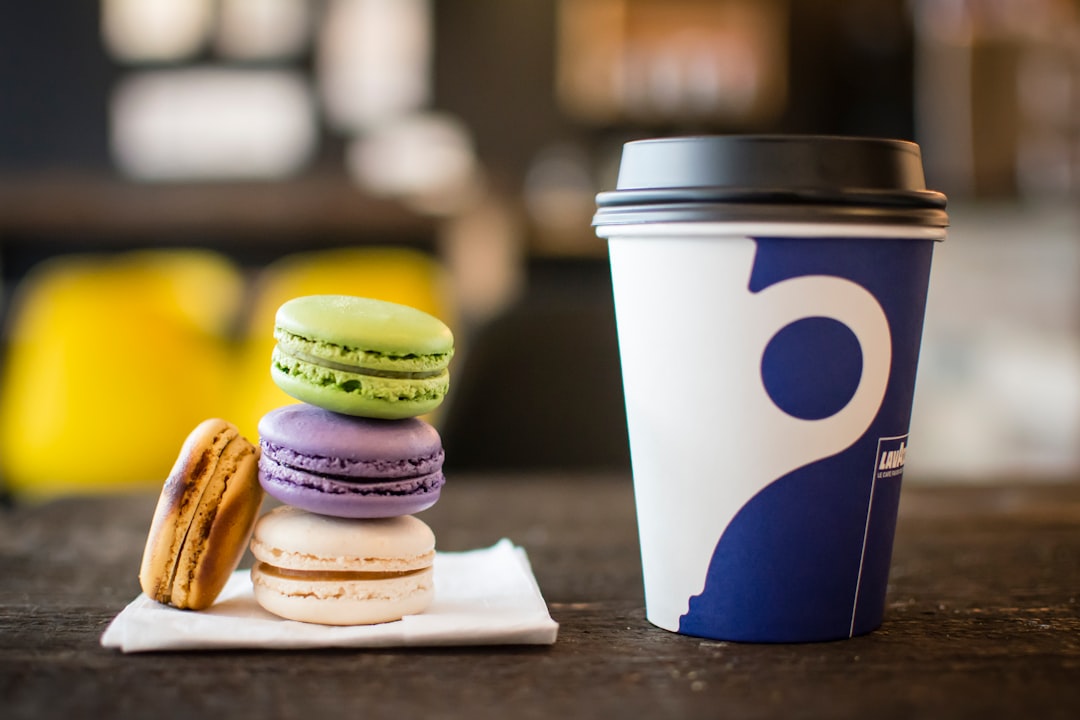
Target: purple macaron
349, 466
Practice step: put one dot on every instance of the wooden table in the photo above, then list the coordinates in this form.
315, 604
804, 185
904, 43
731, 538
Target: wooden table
983, 622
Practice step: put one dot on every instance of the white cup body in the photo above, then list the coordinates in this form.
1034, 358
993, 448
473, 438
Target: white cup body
763, 517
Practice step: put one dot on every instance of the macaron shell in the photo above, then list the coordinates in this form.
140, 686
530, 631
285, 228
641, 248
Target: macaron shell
365, 324
291, 538
350, 446
343, 602
204, 518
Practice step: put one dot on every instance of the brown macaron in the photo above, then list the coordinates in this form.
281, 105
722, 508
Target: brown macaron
204, 518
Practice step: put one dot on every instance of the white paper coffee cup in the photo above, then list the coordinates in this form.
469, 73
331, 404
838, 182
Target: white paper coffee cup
769, 296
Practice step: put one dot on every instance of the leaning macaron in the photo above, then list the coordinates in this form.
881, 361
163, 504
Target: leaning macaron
348, 466
335, 571
361, 356
204, 518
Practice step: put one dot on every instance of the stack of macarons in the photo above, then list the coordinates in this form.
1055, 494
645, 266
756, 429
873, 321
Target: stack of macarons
352, 462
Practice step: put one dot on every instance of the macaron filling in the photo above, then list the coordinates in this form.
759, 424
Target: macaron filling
294, 374
336, 575
357, 470
359, 360
361, 370
392, 488
273, 473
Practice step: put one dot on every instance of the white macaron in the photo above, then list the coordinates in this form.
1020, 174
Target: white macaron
341, 571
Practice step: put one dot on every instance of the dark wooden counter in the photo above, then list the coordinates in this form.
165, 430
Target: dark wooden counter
983, 622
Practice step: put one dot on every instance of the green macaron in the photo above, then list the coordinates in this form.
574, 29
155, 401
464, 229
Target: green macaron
361, 356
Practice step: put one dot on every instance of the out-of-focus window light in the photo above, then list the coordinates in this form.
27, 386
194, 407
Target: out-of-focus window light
374, 59
425, 160
212, 124
723, 60
263, 29
998, 393
155, 30
997, 84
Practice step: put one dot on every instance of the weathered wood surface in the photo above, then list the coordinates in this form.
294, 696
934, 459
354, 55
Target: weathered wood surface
983, 622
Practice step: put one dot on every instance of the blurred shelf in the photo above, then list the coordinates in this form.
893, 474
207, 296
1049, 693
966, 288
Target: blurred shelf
69, 209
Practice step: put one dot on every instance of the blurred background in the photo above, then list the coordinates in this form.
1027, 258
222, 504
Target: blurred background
171, 170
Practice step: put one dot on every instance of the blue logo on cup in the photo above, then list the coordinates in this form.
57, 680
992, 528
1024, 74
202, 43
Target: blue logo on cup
812, 367
807, 557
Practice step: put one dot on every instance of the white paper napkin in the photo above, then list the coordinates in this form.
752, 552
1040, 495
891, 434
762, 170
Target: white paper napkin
482, 597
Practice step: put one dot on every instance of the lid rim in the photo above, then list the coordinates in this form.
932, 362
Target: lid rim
871, 197
644, 214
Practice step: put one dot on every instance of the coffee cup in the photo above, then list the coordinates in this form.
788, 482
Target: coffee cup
769, 300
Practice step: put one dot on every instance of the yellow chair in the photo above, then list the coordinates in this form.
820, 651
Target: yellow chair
402, 275
111, 361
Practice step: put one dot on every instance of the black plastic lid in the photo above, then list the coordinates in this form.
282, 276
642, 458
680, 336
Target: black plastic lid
813, 178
